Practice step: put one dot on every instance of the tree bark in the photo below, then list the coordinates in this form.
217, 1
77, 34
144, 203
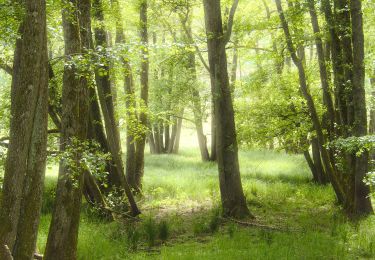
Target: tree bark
26, 159
63, 233
232, 196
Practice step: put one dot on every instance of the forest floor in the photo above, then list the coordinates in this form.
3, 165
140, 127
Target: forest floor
295, 219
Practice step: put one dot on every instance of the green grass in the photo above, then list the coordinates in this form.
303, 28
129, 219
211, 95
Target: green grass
181, 195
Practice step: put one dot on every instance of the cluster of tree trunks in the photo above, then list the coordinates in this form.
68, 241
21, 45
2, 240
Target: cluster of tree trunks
346, 107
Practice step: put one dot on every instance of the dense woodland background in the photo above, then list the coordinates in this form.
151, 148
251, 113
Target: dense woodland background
183, 129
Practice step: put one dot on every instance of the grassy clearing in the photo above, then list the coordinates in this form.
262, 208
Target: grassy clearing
182, 221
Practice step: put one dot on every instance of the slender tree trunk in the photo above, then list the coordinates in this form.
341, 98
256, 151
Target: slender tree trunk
141, 142
232, 196
327, 98
176, 145
130, 102
63, 233
311, 165
320, 173
26, 159
338, 70
197, 110
173, 136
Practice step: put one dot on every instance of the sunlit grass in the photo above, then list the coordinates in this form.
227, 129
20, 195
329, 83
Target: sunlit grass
183, 192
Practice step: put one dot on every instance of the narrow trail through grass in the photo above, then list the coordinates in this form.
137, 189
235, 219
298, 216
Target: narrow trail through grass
181, 198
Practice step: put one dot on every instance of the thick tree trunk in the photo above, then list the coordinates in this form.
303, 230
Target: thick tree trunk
141, 142
63, 233
26, 159
232, 196
362, 201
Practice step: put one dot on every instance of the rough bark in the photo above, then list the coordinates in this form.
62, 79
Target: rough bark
232, 196
26, 159
63, 233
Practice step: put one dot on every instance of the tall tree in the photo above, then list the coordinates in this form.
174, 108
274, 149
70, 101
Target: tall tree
102, 77
136, 183
26, 159
305, 90
232, 196
63, 233
362, 203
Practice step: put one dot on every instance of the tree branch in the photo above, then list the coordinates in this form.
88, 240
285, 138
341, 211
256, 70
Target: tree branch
4, 66
191, 41
230, 21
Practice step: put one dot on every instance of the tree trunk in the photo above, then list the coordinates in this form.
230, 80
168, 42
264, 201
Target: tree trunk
334, 179
140, 145
337, 66
320, 173
329, 116
130, 102
106, 101
173, 137
372, 108
311, 165
63, 233
176, 145
362, 201
232, 196
26, 159
197, 110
